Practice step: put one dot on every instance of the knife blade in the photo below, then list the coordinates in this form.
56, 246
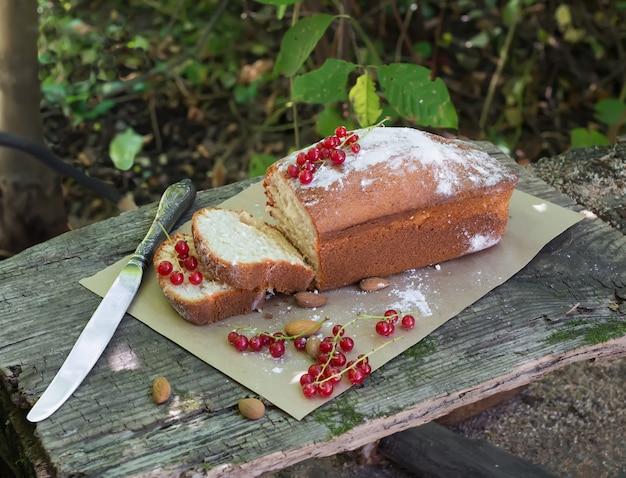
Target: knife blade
98, 332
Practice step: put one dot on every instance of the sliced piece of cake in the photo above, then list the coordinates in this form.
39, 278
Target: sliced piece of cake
247, 253
190, 289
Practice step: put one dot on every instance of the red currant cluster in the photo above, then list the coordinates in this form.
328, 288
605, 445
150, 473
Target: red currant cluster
331, 148
321, 377
274, 342
329, 353
387, 326
185, 262
332, 364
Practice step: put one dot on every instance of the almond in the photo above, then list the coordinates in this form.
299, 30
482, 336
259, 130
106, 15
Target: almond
251, 408
373, 283
302, 328
310, 299
161, 390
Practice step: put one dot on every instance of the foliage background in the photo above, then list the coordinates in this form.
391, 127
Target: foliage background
195, 79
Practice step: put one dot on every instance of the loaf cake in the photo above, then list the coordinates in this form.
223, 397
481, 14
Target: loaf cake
207, 301
406, 199
247, 253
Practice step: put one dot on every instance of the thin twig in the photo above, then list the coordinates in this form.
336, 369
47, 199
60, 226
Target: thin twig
504, 55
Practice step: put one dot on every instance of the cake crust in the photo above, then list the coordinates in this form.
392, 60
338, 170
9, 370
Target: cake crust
408, 199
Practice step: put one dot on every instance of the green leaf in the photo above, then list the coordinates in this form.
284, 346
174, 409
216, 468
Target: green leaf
414, 96
299, 41
610, 111
124, 147
365, 101
327, 84
583, 138
259, 164
329, 118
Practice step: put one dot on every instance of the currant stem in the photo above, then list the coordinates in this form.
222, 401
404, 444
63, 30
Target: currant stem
356, 362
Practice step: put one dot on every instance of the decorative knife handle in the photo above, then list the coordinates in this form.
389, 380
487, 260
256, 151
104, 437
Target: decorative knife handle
174, 203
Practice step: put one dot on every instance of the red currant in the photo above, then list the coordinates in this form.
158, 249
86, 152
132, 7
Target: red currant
332, 374
305, 177
241, 343
191, 263
309, 390
338, 330
195, 277
315, 370
385, 328
338, 156
300, 159
277, 349
182, 248
353, 138
408, 322
338, 359
255, 343
165, 268
306, 378
326, 345
313, 154
323, 358
346, 344
293, 171
334, 141
341, 131
267, 339
355, 148
365, 368
299, 343
177, 278
325, 389
391, 315
232, 336
356, 376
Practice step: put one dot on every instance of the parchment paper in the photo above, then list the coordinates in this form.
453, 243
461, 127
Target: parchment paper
433, 294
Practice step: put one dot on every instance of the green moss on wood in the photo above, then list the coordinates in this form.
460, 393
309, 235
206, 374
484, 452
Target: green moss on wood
423, 348
339, 416
590, 332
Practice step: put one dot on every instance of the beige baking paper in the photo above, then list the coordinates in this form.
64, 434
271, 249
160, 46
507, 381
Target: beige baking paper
433, 294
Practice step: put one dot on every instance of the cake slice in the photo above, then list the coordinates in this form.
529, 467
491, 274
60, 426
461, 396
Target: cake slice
203, 302
247, 253
404, 200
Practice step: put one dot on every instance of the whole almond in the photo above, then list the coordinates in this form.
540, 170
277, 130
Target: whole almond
161, 390
373, 283
302, 327
310, 299
313, 346
251, 408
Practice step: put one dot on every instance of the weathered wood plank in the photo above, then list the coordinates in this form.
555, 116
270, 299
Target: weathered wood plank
435, 452
110, 427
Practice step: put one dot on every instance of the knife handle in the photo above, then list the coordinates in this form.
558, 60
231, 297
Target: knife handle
175, 201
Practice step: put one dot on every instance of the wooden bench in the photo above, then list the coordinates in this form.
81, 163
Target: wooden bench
567, 305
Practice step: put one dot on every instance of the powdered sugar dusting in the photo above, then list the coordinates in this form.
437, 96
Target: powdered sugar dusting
410, 298
481, 241
403, 149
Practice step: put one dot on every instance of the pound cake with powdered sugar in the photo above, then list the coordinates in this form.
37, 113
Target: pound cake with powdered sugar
405, 199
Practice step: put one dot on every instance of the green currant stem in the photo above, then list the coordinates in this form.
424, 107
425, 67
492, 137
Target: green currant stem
304, 333
356, 362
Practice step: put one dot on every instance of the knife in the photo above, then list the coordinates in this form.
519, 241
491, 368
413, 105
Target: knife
99, 330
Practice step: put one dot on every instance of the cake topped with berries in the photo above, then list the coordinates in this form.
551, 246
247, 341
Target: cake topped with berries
379, 201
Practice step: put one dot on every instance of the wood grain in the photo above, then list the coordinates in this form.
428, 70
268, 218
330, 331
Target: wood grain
111, 428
